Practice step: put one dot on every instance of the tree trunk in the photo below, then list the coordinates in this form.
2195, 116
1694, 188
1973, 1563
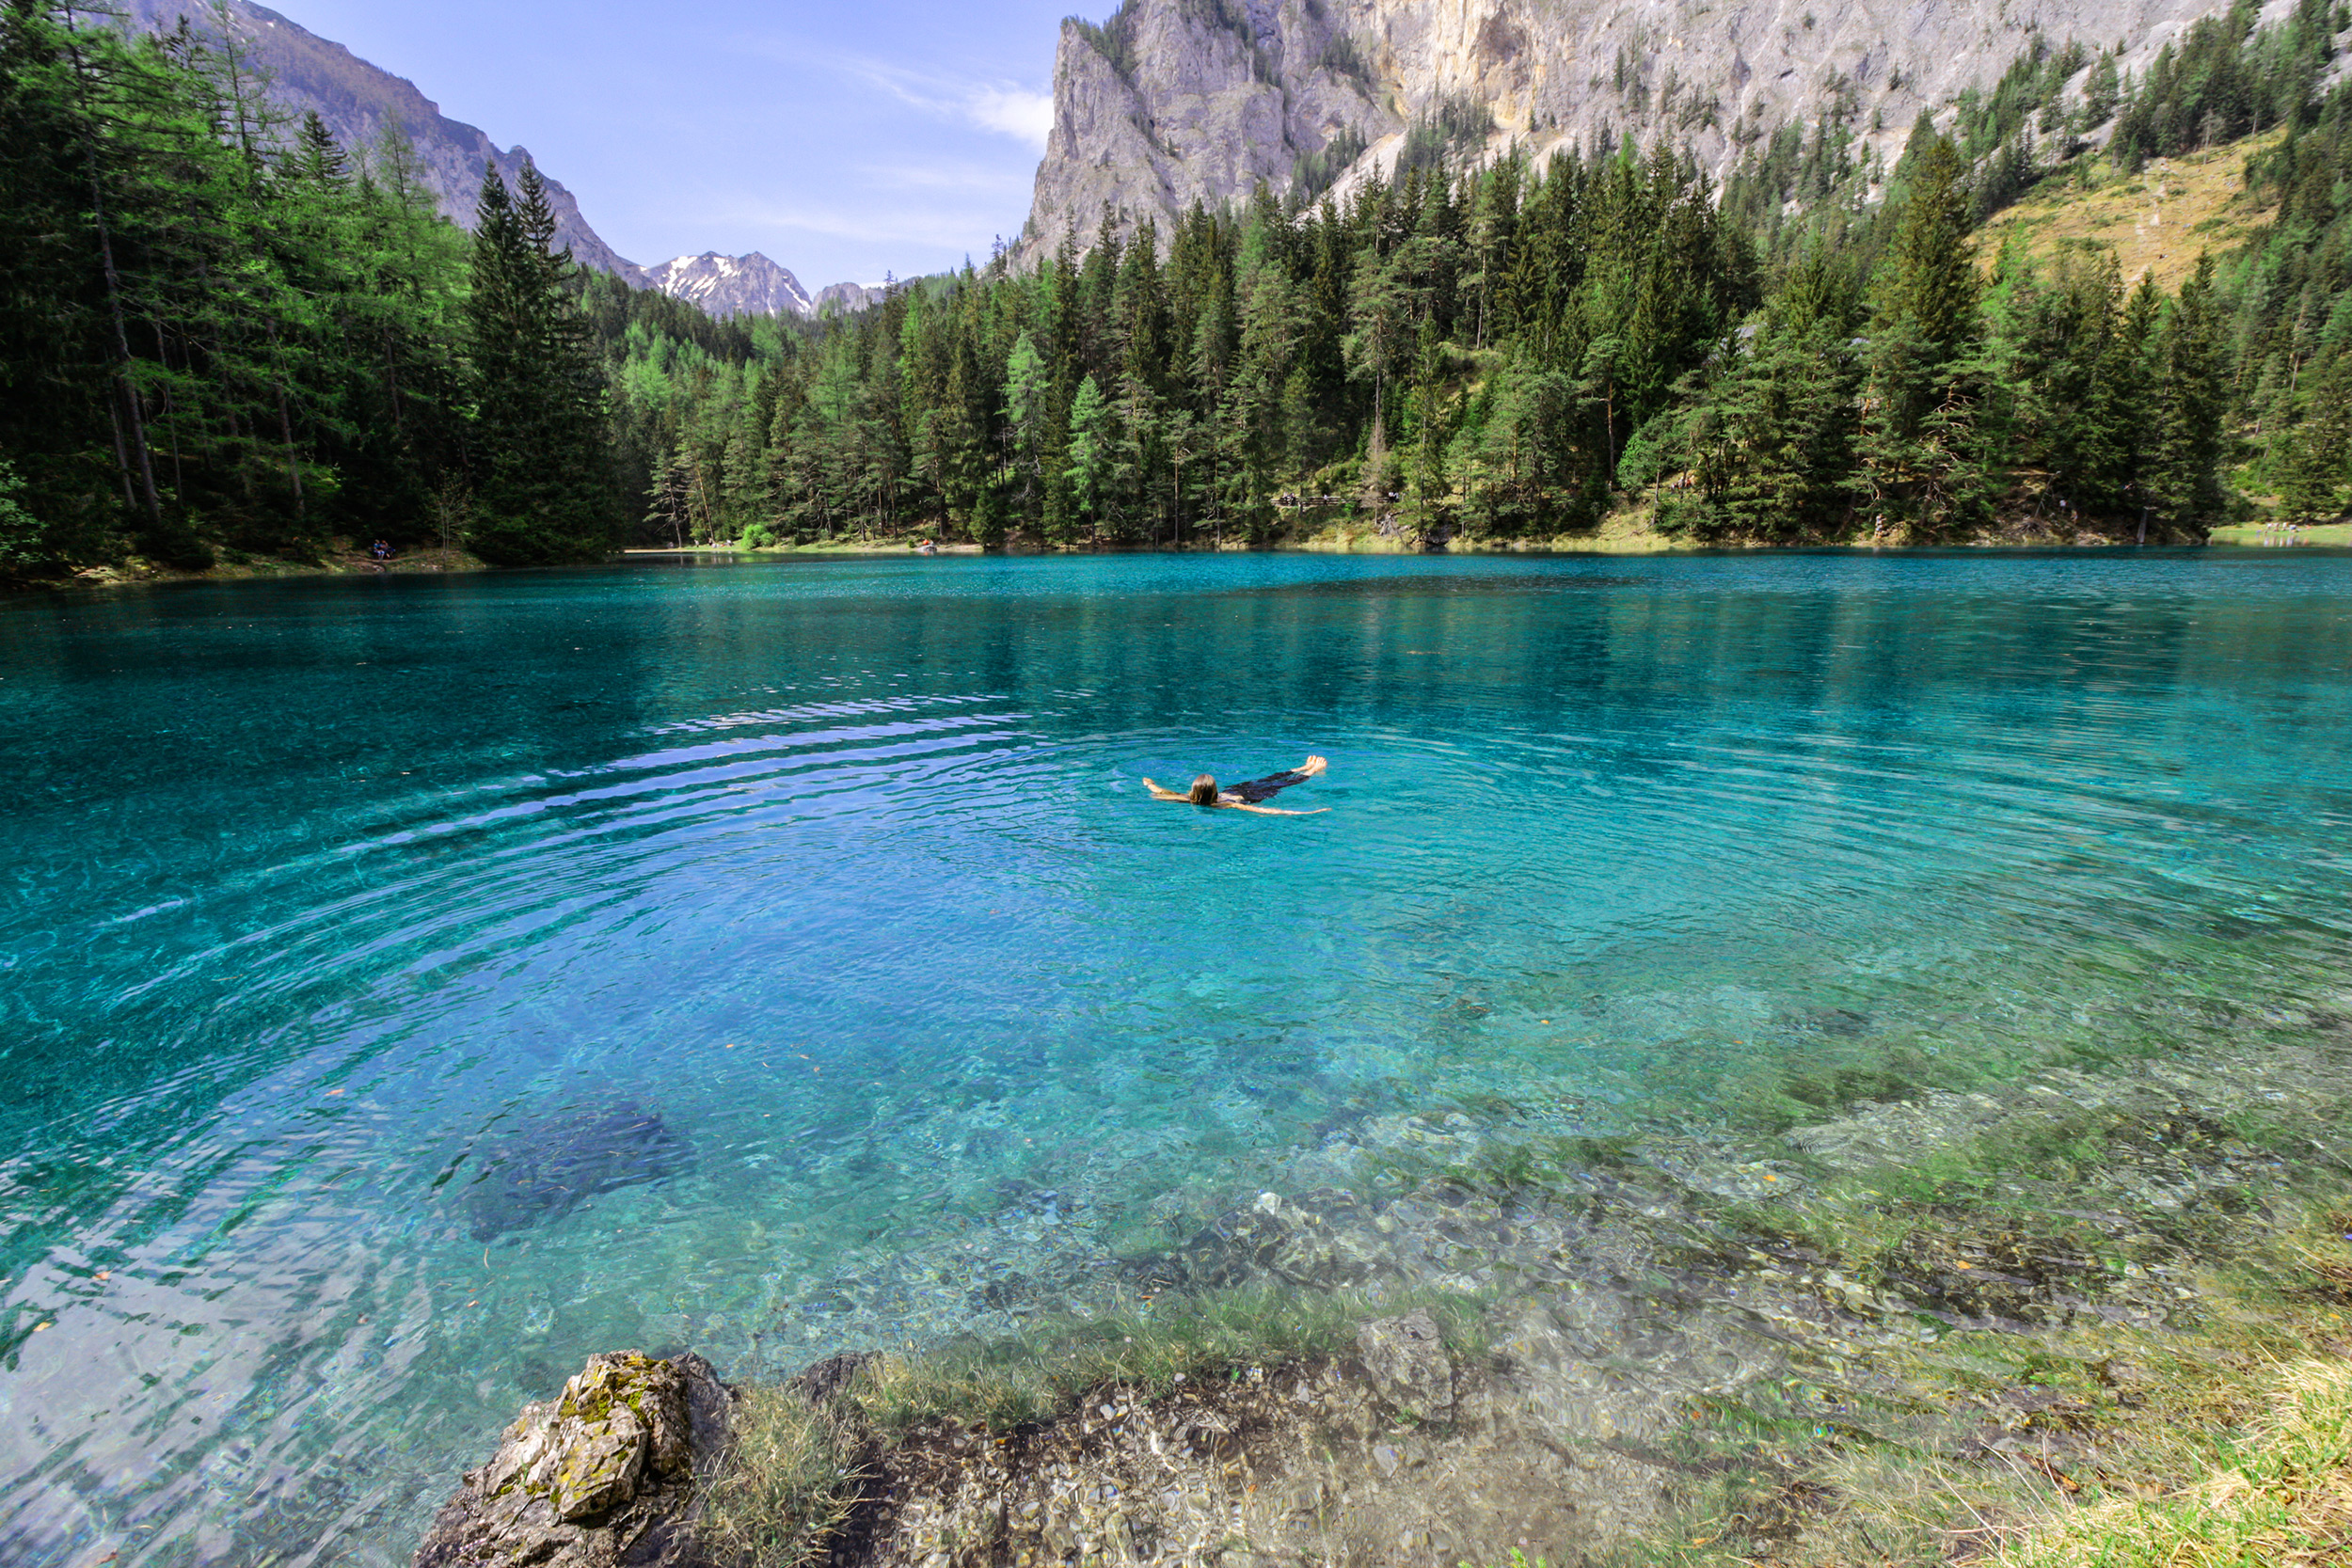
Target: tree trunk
293, 468
1611, 406
172, 415
392, 381
122, 456
124, 387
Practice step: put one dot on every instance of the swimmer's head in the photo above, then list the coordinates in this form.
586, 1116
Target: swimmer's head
1203, 791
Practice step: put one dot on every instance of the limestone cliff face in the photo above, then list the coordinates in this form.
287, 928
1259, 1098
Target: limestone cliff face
1178, 100
848, 298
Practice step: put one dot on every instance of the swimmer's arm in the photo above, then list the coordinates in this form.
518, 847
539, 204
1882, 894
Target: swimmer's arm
1270, 811
1159, 794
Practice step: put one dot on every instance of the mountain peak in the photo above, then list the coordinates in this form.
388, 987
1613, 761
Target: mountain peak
748, 285
752, 285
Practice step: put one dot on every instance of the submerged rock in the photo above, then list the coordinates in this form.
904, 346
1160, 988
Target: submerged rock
1838, 1023
1322, 1240
544, 1170
601, 1477
1407, 1361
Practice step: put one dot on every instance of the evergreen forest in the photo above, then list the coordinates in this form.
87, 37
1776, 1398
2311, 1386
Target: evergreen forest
225, 334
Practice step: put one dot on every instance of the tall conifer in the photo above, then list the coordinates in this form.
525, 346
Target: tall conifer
543, 492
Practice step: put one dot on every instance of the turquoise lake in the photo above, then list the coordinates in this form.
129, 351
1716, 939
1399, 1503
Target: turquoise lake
325, 902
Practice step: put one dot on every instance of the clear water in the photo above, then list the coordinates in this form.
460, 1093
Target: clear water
311, 891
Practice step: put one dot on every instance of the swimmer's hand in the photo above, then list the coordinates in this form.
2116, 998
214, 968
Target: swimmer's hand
1159, 794
1308, 770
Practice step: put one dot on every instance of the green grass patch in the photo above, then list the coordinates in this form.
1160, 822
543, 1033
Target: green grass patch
1149, 1348
2212, 1440
2334, 534
2223, 1448
793, 1465
784, 1488
2278, 1494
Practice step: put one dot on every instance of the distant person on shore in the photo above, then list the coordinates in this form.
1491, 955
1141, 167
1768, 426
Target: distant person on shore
1245, 796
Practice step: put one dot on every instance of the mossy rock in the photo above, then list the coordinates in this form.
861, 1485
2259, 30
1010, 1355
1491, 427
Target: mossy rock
614, 1450
621, 1423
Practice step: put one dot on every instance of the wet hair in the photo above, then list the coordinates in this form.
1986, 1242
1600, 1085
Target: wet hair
1203, 791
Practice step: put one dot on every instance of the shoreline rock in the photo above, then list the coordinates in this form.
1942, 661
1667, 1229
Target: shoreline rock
603, 1476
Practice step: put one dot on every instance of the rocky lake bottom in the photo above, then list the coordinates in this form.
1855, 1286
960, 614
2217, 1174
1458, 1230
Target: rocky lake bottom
1982, 1279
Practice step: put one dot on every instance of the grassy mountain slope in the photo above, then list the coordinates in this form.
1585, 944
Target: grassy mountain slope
2155, 222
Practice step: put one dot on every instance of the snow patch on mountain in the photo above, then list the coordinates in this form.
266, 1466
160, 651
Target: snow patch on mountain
732, 285
754, 286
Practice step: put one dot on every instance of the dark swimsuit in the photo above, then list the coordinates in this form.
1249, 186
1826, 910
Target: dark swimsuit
1258, 791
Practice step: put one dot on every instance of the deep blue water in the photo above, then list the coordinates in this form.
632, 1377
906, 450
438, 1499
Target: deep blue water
314, 893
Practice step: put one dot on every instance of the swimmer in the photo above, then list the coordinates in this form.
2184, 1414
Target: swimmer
1245, 796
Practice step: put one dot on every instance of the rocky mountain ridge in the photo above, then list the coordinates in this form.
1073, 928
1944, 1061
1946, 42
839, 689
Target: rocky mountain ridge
359, 102
1173, 102
850, 297
753, 285
732, 285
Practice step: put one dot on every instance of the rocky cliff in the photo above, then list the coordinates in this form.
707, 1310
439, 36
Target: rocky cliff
1176, 101
849, 298
359, 102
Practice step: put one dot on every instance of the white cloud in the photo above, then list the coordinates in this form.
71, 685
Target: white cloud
999, 106
1027, 115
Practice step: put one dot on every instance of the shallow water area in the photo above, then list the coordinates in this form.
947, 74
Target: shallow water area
409, 987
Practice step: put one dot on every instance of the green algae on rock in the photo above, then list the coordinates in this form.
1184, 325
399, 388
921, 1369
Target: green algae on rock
604, 1474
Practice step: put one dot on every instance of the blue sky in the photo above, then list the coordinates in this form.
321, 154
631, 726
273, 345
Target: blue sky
842, 139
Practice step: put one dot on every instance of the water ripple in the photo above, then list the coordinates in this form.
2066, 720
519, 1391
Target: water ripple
845, 875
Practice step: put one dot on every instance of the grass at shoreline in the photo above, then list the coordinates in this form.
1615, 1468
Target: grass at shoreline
795, 1461
1625, 533
2124, 1383
2221, 1440
2255, 535
342, 557
1030, 1378
2109, 1331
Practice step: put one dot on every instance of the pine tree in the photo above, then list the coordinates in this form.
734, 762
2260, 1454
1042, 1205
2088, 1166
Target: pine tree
1093, 440
538, 447
1767, 446
2183, 479
2109, 430
1026, 389
23, 540
1923, 464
